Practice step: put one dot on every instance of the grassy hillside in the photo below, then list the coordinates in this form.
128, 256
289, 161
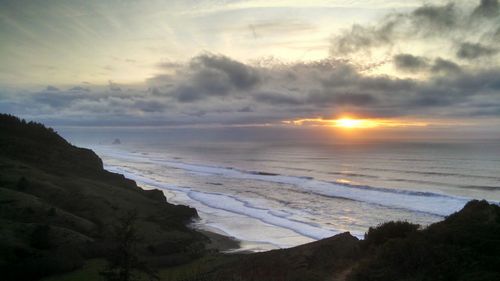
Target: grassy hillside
58, 206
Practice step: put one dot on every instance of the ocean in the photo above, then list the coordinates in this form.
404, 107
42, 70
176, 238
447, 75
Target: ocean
280, 189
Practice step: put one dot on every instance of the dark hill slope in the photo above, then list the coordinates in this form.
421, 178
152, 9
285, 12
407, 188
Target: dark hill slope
58, 205
320, 260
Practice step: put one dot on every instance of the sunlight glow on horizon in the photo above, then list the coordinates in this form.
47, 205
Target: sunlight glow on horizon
353, 123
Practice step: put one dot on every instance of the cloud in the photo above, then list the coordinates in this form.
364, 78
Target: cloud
424, 22
473, 51
282, 92
242, 76
446, 67
279, 28
169, 65
186, 93
113, 86
276, 98
325, 98
54, 97
245, 109
487, 8
209, 76
410, 63
413, 64
361, 38
79, 88
425, 34
430, 19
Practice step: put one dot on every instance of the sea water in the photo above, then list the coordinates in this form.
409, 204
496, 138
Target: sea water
273, 192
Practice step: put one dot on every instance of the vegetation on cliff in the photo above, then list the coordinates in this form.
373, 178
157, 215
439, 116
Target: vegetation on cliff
465, 246
58, 207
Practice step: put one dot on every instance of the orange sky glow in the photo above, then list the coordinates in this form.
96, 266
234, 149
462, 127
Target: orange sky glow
354, 123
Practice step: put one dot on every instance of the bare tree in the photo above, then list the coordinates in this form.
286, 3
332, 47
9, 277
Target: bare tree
124, 263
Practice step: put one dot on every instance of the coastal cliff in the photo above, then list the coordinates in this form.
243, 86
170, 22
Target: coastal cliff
58, 207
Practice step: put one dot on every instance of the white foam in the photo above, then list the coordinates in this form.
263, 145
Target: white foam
234, 205
238, 217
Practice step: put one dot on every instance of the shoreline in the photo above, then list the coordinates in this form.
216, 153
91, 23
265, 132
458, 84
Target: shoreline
220, 243
228, 244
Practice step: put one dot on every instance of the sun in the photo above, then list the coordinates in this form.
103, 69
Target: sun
348, 123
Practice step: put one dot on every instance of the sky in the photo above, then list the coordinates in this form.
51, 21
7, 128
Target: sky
431, 64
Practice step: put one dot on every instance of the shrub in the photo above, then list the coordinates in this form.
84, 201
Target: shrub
389, 230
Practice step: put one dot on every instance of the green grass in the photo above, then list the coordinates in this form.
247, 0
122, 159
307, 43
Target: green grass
194, 269
89, 271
